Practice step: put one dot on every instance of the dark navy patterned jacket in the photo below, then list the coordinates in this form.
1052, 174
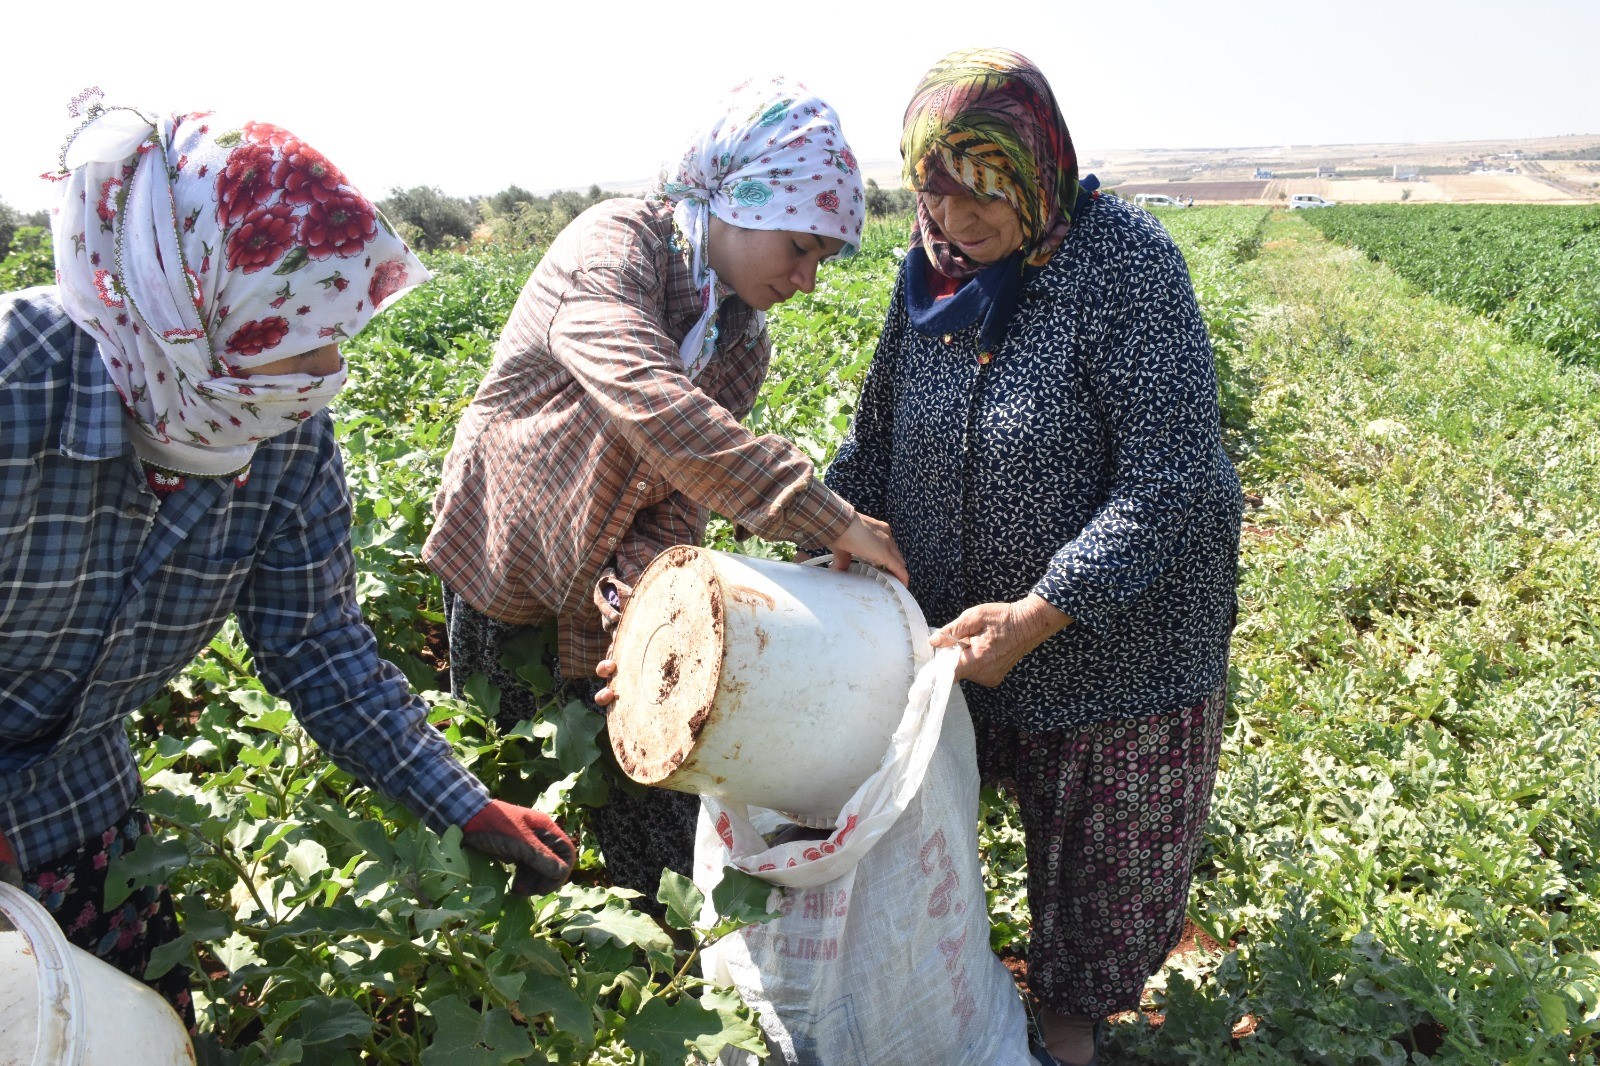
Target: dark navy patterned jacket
1084, 463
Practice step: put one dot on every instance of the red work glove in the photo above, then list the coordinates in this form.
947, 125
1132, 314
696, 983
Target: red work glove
10, 870
529, 840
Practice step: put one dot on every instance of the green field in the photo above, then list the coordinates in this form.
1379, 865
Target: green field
1403, 858
1536, 268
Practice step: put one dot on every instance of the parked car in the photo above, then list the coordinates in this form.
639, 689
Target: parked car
1156, 199
1306, 199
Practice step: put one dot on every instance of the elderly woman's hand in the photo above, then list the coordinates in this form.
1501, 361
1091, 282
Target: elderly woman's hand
993, 637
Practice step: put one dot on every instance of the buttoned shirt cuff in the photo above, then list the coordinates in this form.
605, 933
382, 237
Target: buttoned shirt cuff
443, 793
1059, 590
817, 514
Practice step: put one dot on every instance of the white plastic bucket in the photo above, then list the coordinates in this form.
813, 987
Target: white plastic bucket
762, 682
61, 1006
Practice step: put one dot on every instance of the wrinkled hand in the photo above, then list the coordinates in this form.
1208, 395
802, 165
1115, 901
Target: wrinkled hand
10, 869
871, 541
611, 606
542, 854
993, 637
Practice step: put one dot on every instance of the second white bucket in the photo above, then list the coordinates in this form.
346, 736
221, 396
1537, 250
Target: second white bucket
61, 1006
762, 682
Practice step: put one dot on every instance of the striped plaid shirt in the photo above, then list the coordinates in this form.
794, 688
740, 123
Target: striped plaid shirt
587, 442
107, 593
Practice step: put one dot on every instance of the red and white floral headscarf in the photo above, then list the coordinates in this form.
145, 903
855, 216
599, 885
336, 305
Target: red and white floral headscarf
774, 159
193, 247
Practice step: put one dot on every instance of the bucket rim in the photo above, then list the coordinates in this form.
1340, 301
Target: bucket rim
678, 557
59, 1021
763, 585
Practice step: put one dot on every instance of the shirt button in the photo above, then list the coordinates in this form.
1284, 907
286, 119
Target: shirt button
133, 511
612, 543
639, 486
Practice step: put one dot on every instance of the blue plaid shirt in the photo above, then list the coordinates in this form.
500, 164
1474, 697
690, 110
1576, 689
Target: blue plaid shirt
107, 592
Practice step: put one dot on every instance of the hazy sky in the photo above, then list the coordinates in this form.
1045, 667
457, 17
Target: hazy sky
473, 96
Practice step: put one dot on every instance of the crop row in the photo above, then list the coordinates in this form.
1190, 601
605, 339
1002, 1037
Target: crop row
1536, 268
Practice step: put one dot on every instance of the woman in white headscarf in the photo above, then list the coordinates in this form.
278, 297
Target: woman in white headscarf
609, 424
164, 464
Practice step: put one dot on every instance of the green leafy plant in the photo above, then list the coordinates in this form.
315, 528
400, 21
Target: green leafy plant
1535, 267
29, 261
326, 925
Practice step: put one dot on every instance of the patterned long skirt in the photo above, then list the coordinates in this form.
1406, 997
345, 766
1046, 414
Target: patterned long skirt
640, 831
1112, 814
73, 889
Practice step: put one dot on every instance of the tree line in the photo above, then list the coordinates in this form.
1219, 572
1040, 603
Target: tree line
425, 216
25, 255
430, 219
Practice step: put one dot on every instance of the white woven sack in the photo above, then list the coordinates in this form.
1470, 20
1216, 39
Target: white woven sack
881, 956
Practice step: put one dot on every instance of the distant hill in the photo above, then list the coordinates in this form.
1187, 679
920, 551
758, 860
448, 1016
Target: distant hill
1529, 170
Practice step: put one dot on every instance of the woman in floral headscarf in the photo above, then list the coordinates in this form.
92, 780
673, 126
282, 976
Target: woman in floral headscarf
609, 425
163, 465
1040, 426
249, 248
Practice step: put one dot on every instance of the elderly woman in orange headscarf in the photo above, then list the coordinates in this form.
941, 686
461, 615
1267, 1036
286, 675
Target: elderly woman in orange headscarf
1040, 427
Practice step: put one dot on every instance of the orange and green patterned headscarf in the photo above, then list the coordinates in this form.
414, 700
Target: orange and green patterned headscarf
984, 122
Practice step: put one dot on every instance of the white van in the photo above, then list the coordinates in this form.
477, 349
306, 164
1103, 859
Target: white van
1156, 199
1306, 199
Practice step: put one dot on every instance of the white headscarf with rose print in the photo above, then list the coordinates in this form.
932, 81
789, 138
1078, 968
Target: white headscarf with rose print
193, 248
774, 159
